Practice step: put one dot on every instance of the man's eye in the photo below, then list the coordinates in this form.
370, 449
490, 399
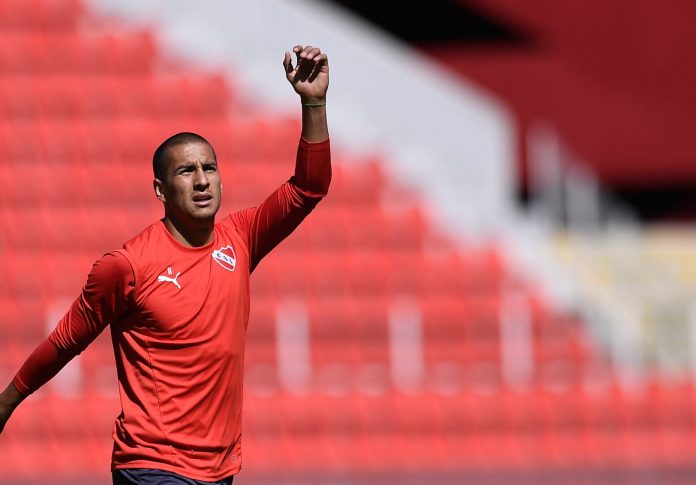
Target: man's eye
211, 168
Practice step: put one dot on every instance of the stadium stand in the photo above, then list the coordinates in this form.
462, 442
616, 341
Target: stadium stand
395, 356
657, 291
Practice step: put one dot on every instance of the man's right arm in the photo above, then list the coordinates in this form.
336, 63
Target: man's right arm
9, 400
104, 298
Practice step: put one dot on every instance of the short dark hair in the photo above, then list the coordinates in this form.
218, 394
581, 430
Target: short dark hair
161, 156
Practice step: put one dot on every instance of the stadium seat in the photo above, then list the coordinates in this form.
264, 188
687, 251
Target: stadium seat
45, 15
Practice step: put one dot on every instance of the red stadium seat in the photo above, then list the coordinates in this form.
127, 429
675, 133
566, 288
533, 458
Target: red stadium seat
21, 52
40, 14
366, 272
119, 53
329, 274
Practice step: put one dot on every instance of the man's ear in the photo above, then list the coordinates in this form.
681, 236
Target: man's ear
159, 189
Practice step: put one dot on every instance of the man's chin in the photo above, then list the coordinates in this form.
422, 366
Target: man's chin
203, 213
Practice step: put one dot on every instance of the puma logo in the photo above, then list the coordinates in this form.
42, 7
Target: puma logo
163, 278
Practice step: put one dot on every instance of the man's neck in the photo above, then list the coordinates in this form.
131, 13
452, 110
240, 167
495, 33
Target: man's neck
193, 237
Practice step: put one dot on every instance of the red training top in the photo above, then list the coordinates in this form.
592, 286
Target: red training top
178, 319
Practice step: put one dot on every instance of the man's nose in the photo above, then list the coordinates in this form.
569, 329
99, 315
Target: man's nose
200, 179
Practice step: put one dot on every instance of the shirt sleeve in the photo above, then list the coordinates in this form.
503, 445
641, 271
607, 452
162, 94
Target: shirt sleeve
277, 216
104, 298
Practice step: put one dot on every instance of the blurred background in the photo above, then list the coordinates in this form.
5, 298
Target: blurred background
498, 288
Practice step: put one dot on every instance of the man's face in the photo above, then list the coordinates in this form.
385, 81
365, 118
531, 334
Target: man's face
191, 187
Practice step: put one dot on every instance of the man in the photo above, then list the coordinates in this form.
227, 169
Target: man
177, 299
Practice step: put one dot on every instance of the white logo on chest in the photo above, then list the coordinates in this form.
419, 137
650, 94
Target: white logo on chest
169, 279
225, 257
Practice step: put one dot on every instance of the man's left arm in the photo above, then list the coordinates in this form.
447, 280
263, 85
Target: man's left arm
272, 221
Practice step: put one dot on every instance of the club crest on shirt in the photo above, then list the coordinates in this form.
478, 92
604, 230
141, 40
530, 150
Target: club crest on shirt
225, 257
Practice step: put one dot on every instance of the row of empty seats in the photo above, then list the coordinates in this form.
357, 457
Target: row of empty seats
39, 53
417, 432
45, 16
85, 96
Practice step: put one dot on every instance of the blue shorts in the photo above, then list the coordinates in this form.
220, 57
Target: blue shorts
149, 476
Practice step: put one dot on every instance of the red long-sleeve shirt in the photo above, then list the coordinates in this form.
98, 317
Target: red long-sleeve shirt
178, 319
